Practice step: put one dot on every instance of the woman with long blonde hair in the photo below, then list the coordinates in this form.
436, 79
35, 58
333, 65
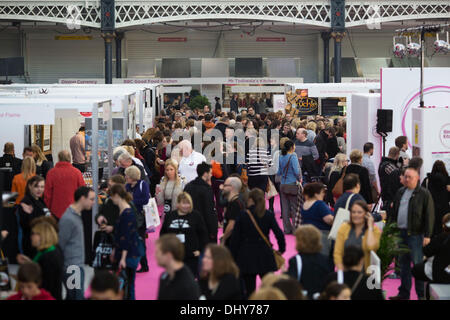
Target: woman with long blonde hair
20, 180
171, 186
43, 166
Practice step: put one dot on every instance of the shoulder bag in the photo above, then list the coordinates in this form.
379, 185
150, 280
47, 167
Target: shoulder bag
291, 189
279, 260
342, 215
338, 188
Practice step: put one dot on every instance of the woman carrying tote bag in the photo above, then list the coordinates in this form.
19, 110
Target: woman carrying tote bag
290, 172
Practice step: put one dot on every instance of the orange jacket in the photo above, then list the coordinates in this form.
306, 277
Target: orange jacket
19, 185
216, 170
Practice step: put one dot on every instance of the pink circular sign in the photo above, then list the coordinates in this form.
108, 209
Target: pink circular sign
444, 135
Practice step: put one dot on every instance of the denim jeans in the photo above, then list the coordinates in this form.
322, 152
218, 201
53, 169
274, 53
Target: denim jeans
75, 292
132, 264
415, 244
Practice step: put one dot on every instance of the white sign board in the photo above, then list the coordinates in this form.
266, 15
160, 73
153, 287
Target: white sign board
400, 91
431, 136
279, 102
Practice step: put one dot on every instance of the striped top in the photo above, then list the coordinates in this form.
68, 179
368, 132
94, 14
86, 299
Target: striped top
258, 161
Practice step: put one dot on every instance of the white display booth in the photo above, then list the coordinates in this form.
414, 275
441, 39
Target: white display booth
400, 91
145, 96
431, 136
17, 113
363, 120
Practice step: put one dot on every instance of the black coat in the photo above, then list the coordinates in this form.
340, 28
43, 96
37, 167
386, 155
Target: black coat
321, 143
332, 147
315, 268
149, 156
52, 266
221, 127
420, 211
234, 106
437, 185
229, 288
439, 247
389, 175
203, 198
361, 292
250, 251
363, 174
110, 211
332, 180
44, 168
9, 161
39, 210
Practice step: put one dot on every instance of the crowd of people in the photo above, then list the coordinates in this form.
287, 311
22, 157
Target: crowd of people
215, 230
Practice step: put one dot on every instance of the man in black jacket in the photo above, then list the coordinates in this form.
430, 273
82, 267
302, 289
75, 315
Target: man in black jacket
202, 195
389, 175
413, 211
12, 163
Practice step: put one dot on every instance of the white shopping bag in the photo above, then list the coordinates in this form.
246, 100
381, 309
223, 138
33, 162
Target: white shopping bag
342, 215
151, 214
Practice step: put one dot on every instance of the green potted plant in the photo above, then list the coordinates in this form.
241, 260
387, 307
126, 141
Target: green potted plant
199, 102
390, 248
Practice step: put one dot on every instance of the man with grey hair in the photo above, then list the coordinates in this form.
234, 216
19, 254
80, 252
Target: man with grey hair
125, 160
230, 191
190, 159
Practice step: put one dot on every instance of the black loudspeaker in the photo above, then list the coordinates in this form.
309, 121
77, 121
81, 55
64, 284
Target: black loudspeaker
384, 120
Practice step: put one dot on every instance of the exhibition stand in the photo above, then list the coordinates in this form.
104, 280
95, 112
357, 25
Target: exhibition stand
400, 91
145, 96
20, 112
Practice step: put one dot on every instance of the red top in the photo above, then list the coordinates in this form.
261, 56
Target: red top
60, 186
44, 295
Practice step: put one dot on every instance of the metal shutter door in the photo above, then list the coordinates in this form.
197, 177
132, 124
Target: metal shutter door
304, 47
50, 60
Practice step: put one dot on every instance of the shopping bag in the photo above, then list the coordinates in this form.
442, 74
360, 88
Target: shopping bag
271, 190
5, 279
151, 214
103, 244
342, 215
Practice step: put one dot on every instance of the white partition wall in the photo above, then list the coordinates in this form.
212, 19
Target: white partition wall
363, 118
431, 136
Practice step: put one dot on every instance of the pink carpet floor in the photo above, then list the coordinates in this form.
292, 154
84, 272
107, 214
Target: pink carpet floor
147, 283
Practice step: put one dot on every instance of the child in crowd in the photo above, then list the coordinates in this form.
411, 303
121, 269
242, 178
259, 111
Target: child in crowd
105, 286
30, 278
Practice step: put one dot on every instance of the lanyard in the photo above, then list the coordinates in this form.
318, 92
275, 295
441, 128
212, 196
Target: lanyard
40, 253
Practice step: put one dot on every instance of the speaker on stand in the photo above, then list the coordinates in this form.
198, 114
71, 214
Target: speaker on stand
384, 125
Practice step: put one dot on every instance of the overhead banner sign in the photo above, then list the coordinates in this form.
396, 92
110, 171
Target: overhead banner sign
27, 114
193, 81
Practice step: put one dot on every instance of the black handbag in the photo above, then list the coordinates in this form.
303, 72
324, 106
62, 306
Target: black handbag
103, 244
